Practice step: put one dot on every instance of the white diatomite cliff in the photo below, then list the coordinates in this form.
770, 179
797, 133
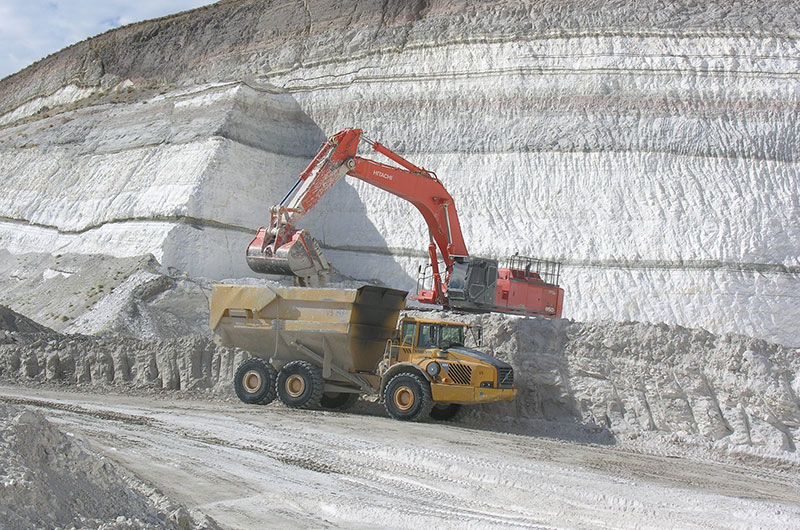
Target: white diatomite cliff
653, 149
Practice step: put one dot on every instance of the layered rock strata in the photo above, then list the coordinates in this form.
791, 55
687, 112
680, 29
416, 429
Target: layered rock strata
651, 147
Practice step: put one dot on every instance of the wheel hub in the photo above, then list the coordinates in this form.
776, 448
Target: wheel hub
404, 398
295, 385
252, 381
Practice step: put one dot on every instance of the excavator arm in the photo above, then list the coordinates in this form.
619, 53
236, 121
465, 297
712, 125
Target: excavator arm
427, 194
423, 189
283, 249
474, 284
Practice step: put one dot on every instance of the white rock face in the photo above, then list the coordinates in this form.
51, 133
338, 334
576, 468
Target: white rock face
652, 148
157, 176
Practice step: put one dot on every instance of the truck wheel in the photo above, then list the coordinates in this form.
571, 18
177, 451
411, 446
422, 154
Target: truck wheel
445, 411
254, 381
300, 385
338, 400
408, 397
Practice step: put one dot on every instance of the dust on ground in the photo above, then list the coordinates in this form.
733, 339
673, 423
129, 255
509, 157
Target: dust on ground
51, 479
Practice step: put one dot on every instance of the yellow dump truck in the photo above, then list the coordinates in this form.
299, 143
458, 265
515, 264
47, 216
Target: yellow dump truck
325, 347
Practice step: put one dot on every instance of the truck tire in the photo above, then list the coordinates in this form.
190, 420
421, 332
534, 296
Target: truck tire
408, 397
299, 385
445, 411
338, 400
254, 381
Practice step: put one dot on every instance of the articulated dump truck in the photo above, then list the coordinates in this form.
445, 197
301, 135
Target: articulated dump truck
325, 347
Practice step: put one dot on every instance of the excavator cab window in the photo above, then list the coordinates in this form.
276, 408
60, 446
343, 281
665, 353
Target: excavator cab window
456, 288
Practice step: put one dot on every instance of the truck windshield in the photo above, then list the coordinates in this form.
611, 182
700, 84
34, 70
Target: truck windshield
452, 336
440, 336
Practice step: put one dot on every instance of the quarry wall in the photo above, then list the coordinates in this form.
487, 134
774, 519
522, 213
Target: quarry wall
652, 148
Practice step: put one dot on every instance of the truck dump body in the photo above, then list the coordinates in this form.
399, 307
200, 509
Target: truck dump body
349, 327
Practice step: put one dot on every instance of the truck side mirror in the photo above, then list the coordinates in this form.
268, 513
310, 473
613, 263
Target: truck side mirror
477, 335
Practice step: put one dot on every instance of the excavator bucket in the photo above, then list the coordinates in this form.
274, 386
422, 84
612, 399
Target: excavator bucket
301, 257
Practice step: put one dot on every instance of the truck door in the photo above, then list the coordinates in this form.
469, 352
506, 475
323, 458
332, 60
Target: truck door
428, 336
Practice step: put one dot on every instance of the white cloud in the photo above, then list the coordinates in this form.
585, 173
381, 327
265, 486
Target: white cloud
33, 29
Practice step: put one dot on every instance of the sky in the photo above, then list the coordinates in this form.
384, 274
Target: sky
33, 29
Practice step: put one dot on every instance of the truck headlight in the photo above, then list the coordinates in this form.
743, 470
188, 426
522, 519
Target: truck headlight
433, 369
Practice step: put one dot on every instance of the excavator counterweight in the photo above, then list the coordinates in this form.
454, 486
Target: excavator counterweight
523, 285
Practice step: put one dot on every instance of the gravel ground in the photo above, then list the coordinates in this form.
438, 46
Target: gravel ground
272, 467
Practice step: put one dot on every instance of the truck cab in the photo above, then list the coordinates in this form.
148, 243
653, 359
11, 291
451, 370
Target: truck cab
456, 374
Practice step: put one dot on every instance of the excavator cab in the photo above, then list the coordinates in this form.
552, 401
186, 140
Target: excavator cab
472, 283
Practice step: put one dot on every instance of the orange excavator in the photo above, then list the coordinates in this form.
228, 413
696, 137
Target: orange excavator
521, 285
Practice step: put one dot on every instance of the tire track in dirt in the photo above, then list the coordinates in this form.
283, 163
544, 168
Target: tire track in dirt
362, 465
68, 407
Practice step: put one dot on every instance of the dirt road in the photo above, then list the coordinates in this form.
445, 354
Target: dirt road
271, 467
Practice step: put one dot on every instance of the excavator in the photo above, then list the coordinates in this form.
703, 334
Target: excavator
521, 285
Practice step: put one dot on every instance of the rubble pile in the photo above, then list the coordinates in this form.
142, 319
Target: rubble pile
50, 479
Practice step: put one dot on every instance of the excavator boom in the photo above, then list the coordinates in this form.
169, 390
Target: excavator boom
463, 281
